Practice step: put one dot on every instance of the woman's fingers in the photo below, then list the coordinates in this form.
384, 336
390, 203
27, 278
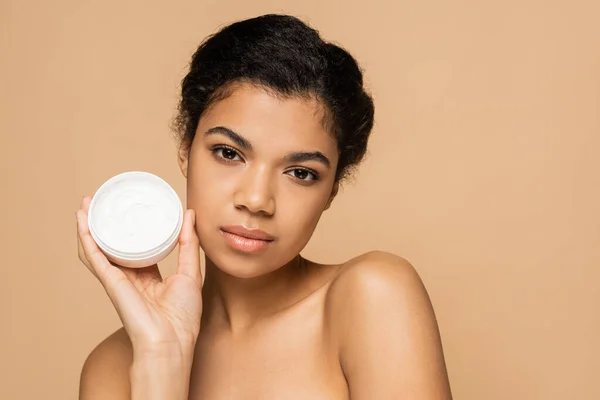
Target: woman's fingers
85, 230
81, 252
189, 249
117, 285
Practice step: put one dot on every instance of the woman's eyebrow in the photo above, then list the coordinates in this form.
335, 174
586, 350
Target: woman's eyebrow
308, 156
241, 141
235, 137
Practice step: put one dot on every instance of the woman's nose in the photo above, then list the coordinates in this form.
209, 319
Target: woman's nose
255, 192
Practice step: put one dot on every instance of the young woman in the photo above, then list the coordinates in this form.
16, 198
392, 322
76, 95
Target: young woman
271, 120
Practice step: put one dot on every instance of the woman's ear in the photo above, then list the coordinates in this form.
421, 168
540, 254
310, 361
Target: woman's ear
183, 157
334, 192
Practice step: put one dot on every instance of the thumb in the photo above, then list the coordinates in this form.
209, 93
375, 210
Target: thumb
189, 249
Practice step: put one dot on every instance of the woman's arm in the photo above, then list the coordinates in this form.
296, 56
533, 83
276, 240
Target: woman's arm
161, 319
160, 375
387, 334
111, 371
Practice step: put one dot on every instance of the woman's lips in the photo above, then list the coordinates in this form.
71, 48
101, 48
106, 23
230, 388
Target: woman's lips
243, 243
241, 230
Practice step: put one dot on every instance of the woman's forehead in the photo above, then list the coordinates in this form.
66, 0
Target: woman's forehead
261, 116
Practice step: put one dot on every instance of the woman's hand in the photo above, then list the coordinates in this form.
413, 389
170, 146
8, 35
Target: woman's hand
161, 317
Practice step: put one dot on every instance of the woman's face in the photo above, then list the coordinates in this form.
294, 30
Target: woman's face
259, 162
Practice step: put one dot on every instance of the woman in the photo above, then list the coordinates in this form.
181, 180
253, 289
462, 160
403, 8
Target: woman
271, 120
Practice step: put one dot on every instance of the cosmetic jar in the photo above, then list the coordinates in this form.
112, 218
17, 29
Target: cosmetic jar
135, 218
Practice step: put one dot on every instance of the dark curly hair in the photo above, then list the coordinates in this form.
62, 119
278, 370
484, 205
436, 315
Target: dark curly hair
285, 55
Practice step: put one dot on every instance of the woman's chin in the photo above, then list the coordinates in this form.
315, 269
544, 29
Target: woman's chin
242, 267
242, 273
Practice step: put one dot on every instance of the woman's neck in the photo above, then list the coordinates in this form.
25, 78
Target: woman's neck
238, 303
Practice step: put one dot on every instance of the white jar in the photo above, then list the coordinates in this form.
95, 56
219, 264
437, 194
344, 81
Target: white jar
135, 218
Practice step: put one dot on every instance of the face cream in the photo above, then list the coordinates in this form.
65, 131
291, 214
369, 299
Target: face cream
135, 218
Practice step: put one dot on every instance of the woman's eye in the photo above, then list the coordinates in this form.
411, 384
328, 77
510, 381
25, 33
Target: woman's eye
227, 153
303, 174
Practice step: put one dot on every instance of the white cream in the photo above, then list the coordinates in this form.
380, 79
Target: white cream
135, 213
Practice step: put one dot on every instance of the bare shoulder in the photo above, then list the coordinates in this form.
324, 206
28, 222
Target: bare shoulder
376, 284
105, 373
376, 273
382, 322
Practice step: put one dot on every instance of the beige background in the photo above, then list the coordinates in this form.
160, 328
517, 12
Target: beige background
484, 172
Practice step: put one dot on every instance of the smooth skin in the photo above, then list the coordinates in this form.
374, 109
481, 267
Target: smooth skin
271, 325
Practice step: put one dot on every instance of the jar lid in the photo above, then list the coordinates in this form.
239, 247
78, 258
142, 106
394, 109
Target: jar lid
135, 215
